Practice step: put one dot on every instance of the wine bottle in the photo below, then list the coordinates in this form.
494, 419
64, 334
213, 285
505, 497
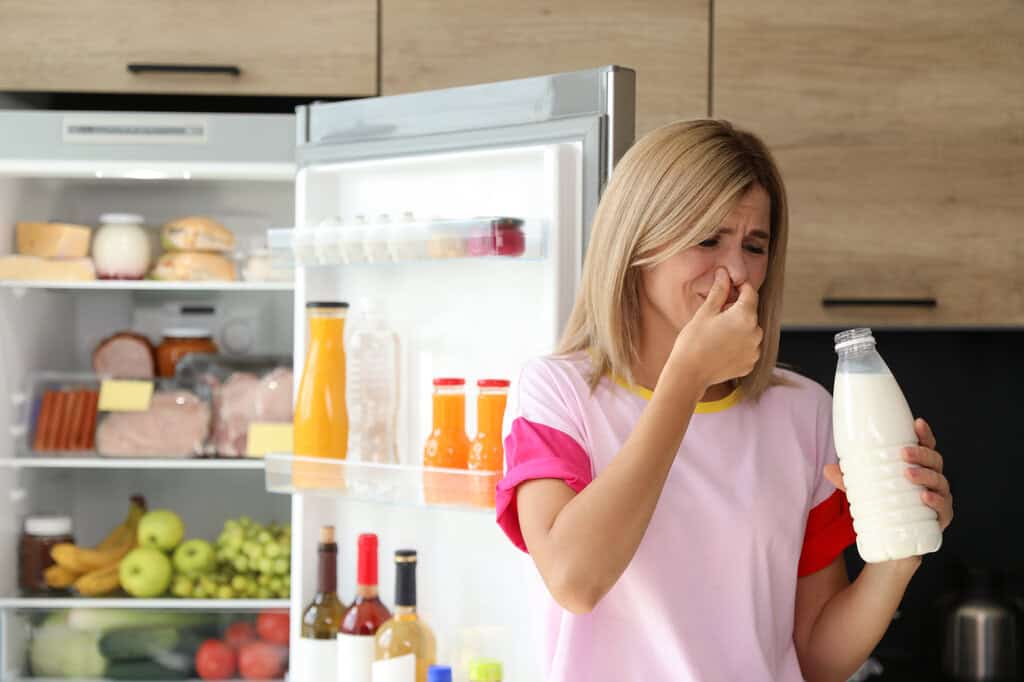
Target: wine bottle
405, 647
363, 618
316, 655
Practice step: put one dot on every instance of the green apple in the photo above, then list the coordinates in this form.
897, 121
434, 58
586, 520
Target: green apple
161, 529
281, 566
194, 557
145, 572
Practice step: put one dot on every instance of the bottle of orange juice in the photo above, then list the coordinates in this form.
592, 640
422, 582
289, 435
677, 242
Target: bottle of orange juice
321, 416
486, 452
448, 445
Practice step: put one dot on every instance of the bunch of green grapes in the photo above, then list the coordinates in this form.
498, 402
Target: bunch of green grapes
253, 562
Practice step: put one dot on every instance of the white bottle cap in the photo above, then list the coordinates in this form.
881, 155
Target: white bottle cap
48, 526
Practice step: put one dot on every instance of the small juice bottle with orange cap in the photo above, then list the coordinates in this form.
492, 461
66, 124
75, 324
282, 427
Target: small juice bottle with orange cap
486, 452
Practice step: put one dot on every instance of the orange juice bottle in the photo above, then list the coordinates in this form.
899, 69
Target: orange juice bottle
321, 416
447, 446
486, 452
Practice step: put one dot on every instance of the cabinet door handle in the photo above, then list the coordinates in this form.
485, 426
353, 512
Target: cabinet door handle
888, 302
217, 69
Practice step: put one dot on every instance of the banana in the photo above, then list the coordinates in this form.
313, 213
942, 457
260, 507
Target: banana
84, 560
120, 541
99, 582
116, 536
58, 577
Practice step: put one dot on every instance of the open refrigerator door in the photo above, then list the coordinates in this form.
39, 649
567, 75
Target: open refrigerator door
461, 215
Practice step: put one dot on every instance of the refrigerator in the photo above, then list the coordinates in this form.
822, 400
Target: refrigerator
422, 181
421, 172
71, 167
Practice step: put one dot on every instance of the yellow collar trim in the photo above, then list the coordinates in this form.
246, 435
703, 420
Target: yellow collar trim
703, 407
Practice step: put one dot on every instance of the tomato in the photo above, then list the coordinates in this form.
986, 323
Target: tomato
272, 627
261, 661
215, 660
239, 633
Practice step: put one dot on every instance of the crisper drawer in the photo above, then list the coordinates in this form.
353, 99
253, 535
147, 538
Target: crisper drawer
116, 643
310, 47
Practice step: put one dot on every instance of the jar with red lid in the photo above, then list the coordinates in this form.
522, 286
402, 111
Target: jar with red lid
40, 535
179, 342
447, 446
486, 451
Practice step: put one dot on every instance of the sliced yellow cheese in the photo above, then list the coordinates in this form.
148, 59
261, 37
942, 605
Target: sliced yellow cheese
45, 269
53, 240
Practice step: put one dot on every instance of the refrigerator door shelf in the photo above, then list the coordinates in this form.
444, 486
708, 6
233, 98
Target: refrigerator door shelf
358, 243
393, 484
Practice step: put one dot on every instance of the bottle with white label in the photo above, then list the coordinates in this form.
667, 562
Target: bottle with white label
315, 657
405, 647
363, 618
872, 423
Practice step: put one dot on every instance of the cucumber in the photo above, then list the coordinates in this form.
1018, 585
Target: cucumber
132, 644
142, 670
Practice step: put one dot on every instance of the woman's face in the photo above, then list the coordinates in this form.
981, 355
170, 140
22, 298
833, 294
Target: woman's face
673, 291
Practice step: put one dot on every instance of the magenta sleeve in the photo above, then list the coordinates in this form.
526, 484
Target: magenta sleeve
535, 451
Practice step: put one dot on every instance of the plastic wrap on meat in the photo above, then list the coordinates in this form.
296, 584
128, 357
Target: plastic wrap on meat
245, 398
175, 425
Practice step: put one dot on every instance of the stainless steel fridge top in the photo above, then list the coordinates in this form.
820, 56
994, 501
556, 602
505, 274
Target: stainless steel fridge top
394, 123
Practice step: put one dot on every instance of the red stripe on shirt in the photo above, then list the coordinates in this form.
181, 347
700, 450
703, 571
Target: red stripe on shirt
829, 531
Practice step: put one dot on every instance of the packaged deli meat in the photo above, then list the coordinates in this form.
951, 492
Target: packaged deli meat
244, 391
62, 414
176, 424
124, 355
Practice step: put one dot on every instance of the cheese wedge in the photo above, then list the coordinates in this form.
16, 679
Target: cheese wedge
46, 270
53, 240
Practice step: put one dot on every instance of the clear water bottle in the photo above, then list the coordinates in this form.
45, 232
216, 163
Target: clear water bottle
872, 423
373, 365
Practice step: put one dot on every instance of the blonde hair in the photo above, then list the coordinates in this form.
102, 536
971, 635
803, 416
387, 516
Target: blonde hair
670, 192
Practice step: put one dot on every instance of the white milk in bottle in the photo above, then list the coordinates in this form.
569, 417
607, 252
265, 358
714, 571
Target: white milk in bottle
872, 423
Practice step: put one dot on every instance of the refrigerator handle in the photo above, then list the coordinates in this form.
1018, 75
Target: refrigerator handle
217, 69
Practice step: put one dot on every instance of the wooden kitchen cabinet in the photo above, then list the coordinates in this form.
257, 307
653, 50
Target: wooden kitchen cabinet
428, 44
899, 128
306, 47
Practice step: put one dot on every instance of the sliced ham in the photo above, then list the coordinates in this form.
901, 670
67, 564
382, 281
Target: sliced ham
125, 355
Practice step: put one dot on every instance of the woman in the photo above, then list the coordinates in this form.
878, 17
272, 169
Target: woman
678, 492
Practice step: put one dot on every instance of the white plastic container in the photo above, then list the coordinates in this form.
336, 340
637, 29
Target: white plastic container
872, 423
373, 365
120, 247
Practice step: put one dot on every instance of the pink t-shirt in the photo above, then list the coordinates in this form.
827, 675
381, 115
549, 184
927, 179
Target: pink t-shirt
710, 593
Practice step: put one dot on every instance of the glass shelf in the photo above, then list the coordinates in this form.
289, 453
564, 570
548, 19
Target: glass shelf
383, 483
335, 243
161, 604
92, 462
146, 285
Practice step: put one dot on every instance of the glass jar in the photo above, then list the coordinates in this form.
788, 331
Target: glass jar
177, 343
40, 535
321, 411
120, 247
486, 451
